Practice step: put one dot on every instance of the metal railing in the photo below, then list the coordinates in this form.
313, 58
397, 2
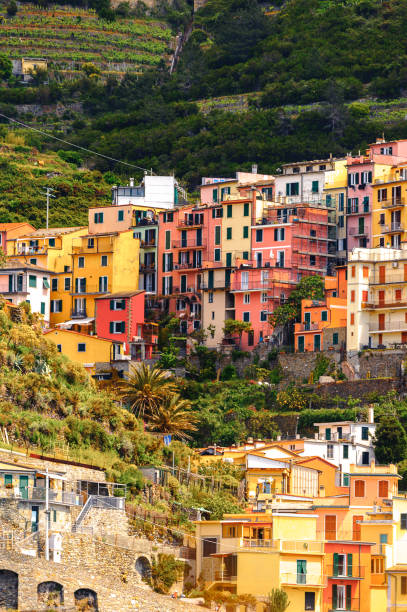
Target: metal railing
357, 231
388, 326
309, 326
78, 314
392, 227
394, 203
352, 571
256, 543
188, 244
98, 501
294, 578
38, 494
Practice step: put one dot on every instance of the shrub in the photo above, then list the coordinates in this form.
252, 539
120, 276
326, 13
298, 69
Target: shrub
165, 571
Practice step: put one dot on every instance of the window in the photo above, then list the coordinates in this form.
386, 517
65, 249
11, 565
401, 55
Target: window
246, 298
32, 281
365, 433
263, 315
301, 571
80, 285
168, 217
42, 310
103, 261
59, 348
335, 338
117, 304
309, 168
246, 209
403, 585
403, 521
67, 283
259, 235
245, 255
315, 186
217, 234
210, 297
359, 488
345, 480
81, 347
229, 211
33, 261
383, 488
352, 295
383, 538
296, 170
117, 327
365, 458
215, 195
56, 305
324, 315
263, 298
98, 217
120, 215
330, 451
353, 179
167, 262
341, 220
224, 191
81, 262
309, 601
54, 284
312, 260
51, 242
168, 239
216, 255
342, 564
292, 189
228, 233
341, 202
228, 260
341, 597
246, 317
102, 284
345, 451
245, 231
352, 318
328, 429
91, 243
279, 234
209, 547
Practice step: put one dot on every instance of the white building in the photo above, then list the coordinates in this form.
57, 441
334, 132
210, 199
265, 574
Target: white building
153, 192
302, 181
23, 282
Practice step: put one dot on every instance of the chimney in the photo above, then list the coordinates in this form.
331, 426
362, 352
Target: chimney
278, 438
254, 168
131, 184
297, 437
370, 414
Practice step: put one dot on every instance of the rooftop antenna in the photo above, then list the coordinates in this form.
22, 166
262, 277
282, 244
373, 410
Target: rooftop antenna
49, 195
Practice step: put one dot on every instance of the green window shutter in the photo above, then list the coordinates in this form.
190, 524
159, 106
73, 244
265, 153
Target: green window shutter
328, 433
346, 451
8, 479
324, 315
245, 231
123, 327
336, 564
179, 257
168, 239
111, 304
54, 516
229, 210
60, 305
213, 213
42, 307
164, 270
335, 338
334, 596
171, 262
210, 279
348, 596
217, 255
315, 186
287, 189
229, 233
349, 564
245, 255
346, 480
228, 260
214, 198
246, 209
111, 327
217, 234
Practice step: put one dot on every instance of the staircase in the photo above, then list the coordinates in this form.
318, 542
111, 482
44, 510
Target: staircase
98, 501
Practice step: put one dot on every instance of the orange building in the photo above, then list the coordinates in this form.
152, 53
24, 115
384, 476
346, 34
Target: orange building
323, 322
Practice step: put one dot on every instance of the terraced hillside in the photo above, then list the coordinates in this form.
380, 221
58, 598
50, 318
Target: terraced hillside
69, 37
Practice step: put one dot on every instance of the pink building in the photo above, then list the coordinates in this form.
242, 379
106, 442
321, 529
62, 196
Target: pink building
215, 190
362, 171
120, 317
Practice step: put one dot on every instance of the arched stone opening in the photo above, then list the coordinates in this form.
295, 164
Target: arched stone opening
50, 595
8, 590
86, 600
143, 567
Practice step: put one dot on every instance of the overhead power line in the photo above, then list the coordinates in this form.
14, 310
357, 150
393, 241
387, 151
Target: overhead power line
71, 144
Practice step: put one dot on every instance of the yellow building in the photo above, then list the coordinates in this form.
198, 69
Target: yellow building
51, 249
83, 348
254, 554
389, 217
101, 264
334, 195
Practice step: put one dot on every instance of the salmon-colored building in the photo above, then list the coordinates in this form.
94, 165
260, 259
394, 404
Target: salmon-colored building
9, 232
323, 322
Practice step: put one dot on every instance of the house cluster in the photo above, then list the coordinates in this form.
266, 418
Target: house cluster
236, 254
324, 522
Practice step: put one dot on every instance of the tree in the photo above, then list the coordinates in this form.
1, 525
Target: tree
234, 327
12, 8
90, 69
277, 601
309, 288
145, 389
173, 416
6, 67
390, 442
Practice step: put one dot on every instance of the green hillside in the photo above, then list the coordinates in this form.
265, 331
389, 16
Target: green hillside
69, 37
25, 172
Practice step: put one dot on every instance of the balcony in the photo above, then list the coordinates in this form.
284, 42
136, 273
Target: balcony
143, 222
149, 267
255, 543
215, 285
31, 250
260, 285
148, 244
294, 579
388, 327
394, 203
393, 228
363, 210
377, 305
357, 231
78, 314
302, 546
352, 606
187, 266
184, 290
355, 571
308, 327
188, 244
38, 494
189, 224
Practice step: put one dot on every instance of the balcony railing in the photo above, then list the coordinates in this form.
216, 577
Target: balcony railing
189, 223
392, 228
256, 543
292, 578
351, 606
38, 494
148, 243
363, 210
188, 244
187, 266
308, 326
353, 571
31, 250
261, 285
78, 314
395, 203
357, 231
372, 305
388, 326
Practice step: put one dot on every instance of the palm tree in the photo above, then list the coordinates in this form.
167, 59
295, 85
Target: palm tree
173, 416
145, 389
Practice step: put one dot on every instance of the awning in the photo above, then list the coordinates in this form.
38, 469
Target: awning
66, 324
53, 475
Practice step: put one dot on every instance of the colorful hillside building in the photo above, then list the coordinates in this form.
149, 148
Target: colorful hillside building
9, 232
23, 282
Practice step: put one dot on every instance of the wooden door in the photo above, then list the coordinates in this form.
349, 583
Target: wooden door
382, 274
330, 527
356, 527
381, 321
381, 298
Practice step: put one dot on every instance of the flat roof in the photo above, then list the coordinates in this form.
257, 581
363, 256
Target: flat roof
120, 294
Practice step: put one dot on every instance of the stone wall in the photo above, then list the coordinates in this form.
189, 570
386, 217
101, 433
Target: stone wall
386, 363
297, 367
357, 388
103, 520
